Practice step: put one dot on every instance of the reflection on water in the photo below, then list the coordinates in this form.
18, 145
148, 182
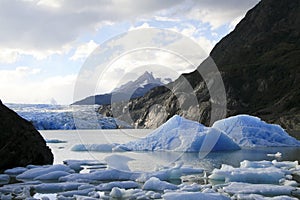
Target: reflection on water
212, 160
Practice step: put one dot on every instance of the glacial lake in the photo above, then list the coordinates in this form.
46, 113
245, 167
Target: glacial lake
147, 161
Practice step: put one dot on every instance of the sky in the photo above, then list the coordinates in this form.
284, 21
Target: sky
47, 45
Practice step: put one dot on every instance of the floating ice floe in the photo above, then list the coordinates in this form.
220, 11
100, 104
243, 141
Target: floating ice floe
250, 131
15, 171
154, 185
55, 141
268, 172
180, 134
94, 147
118, 184
45, 172
228, 173
264, 189
194, 196
260, 197
56, 187
277, 155
157, 185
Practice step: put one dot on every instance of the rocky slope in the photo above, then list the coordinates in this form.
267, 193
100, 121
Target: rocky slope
20, 143
260, 65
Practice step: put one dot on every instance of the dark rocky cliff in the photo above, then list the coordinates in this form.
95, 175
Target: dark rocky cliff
20, 143
260, 65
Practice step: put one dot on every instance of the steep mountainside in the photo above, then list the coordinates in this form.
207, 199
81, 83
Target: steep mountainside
137, 88
260, 65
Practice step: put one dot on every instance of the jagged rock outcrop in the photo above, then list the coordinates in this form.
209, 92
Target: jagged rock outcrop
260, 65
20, 143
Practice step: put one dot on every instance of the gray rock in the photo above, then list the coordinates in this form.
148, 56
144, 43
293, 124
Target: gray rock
20, 143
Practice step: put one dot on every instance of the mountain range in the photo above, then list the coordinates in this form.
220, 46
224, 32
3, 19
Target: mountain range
259, 62
129, 90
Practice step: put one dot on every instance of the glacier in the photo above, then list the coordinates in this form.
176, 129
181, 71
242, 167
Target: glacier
65, 117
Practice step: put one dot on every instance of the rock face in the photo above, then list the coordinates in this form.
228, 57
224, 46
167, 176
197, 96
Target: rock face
20, 143
260, 65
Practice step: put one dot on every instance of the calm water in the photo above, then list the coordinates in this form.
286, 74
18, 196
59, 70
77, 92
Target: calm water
147, 161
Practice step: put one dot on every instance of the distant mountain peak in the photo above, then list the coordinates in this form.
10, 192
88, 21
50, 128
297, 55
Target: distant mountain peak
136, 88
145, 79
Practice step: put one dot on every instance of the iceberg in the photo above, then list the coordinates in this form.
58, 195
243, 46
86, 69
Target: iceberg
182, 135
249, 131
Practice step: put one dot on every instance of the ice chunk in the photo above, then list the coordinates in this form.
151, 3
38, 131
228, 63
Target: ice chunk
72, 193
56, 187
194, 187
15, 171
263, 189
94, 147
249, 131
157, 185
4, 179
55, 175
55, 141
277, 155
118, 193
119, 184
264, 164
256, 164
249, 175
76, 165
194, 196
260, 197
102, 175
39, 171
179, 134
285, 164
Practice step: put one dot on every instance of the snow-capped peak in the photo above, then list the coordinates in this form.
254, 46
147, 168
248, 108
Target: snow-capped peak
146, 81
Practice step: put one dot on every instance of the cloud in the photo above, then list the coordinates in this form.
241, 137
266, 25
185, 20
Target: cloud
48, 25
6, 76
8, 56
21, 85
218, 12
42, 25
84, 50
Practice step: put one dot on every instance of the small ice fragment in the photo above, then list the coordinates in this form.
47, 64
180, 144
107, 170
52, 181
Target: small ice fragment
277, 155
157, 185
